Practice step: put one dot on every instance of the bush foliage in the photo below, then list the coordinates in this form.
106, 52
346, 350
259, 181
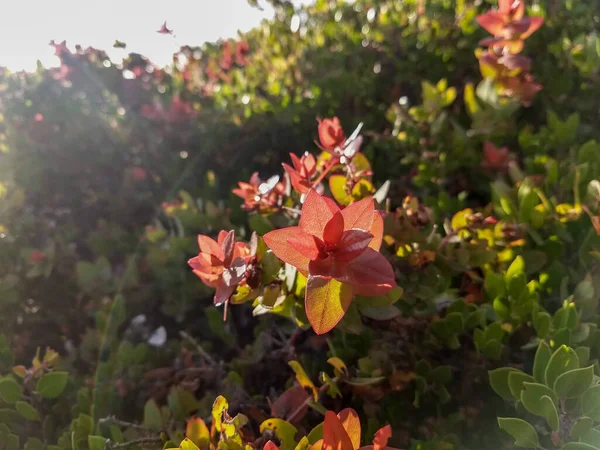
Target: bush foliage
361, 225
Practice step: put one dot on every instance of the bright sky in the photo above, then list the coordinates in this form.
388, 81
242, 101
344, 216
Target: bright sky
29, 25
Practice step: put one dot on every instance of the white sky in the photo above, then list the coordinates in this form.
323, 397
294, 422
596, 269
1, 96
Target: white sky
27, 26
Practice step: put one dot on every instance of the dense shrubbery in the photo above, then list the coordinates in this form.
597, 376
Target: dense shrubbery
431, 273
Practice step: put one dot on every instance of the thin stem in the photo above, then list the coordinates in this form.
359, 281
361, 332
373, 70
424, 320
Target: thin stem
112, 420
322, 389
147, 440
323, 174
198, 347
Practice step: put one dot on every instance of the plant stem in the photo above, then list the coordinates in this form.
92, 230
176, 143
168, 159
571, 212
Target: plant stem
335, 160
198, 347
147, 440
112, 420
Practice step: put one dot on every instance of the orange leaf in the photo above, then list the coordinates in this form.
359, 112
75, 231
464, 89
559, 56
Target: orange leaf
315, 214
317, 445
197, 432
359, 214
270, 446
326, 302
381, 437
335, 436
277, 241
351, 424
376, 231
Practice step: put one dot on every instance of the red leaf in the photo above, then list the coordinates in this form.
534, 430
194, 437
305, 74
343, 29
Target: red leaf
223, 294
351, 424
289, 402
352, 244
270, 446
371, 269
235, 272
334, 434
164, 30
277, 241
359, 215
315, 214
221, 237
326, 302
228, 246
296, 162
534, 25
327, 267
208, 245
493, 22
332, 233
206, 263
305, 244
300, 183
332, 205
331, 133
377, 231
381, 437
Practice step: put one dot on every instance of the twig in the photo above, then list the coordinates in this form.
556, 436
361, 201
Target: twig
199, 348
112, 420
298, 410
147, 440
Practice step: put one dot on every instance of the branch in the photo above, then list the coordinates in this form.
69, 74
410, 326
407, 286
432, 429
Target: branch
112, 420
147, 440
198, 347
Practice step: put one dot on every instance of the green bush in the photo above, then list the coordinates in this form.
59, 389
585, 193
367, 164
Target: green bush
444, 189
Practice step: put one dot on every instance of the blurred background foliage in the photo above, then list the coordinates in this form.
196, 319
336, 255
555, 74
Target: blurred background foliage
108, 171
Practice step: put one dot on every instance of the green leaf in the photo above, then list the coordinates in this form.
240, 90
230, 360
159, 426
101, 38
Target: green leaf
531, 397
573, 383
27, 411
549, 412
583, 354
499, 381
12, 442
494, 285
96, 442
581, 426
492, 349
522, 432
515, 382
563, 360
388, 299
441, 375
517, 267
590, 402
186, 444
10, 391
578, 446
52, 384
380, 313
542, 324
284, 431
260, 224
33, 444
152, 415
337, 185
365, 381
315, 434
455, 322
540, 362
591, 437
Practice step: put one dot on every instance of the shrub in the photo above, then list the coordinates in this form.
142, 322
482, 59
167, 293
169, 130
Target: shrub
384, 211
